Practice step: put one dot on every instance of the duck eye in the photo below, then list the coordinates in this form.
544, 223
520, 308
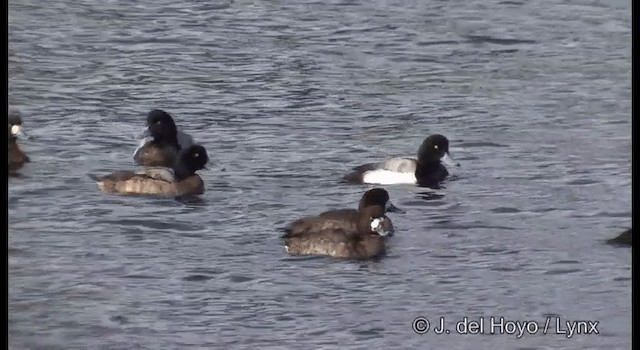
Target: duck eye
196, 155
436, 146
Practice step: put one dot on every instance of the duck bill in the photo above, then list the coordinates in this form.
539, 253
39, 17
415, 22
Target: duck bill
393, 209
385, 233
446, 159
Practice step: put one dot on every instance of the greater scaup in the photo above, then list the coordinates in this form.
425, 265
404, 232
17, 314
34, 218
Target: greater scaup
367, 242
179, 180
623, 239
346, 219
16, 156
426, 171
162, 141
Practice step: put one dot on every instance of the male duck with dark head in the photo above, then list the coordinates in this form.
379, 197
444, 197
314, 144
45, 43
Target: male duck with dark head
366, 243
162, 141
16, 156
426, 171
345, 219
179, 180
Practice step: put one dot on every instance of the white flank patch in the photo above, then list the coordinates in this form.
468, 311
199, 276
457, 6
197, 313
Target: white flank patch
387, 177
15, 130
286, 248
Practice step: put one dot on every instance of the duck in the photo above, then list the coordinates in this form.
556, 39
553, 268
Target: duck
16, 157
179, 180
368, 242
162, 141
425, 171
623, 239
346, 219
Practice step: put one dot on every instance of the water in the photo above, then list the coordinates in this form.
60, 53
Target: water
535, 97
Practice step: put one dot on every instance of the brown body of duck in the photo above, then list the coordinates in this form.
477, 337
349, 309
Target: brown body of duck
366, 243
128, 182
181, 180
17, 158
154, 155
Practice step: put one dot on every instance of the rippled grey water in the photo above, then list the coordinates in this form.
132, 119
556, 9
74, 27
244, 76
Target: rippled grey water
535, 97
